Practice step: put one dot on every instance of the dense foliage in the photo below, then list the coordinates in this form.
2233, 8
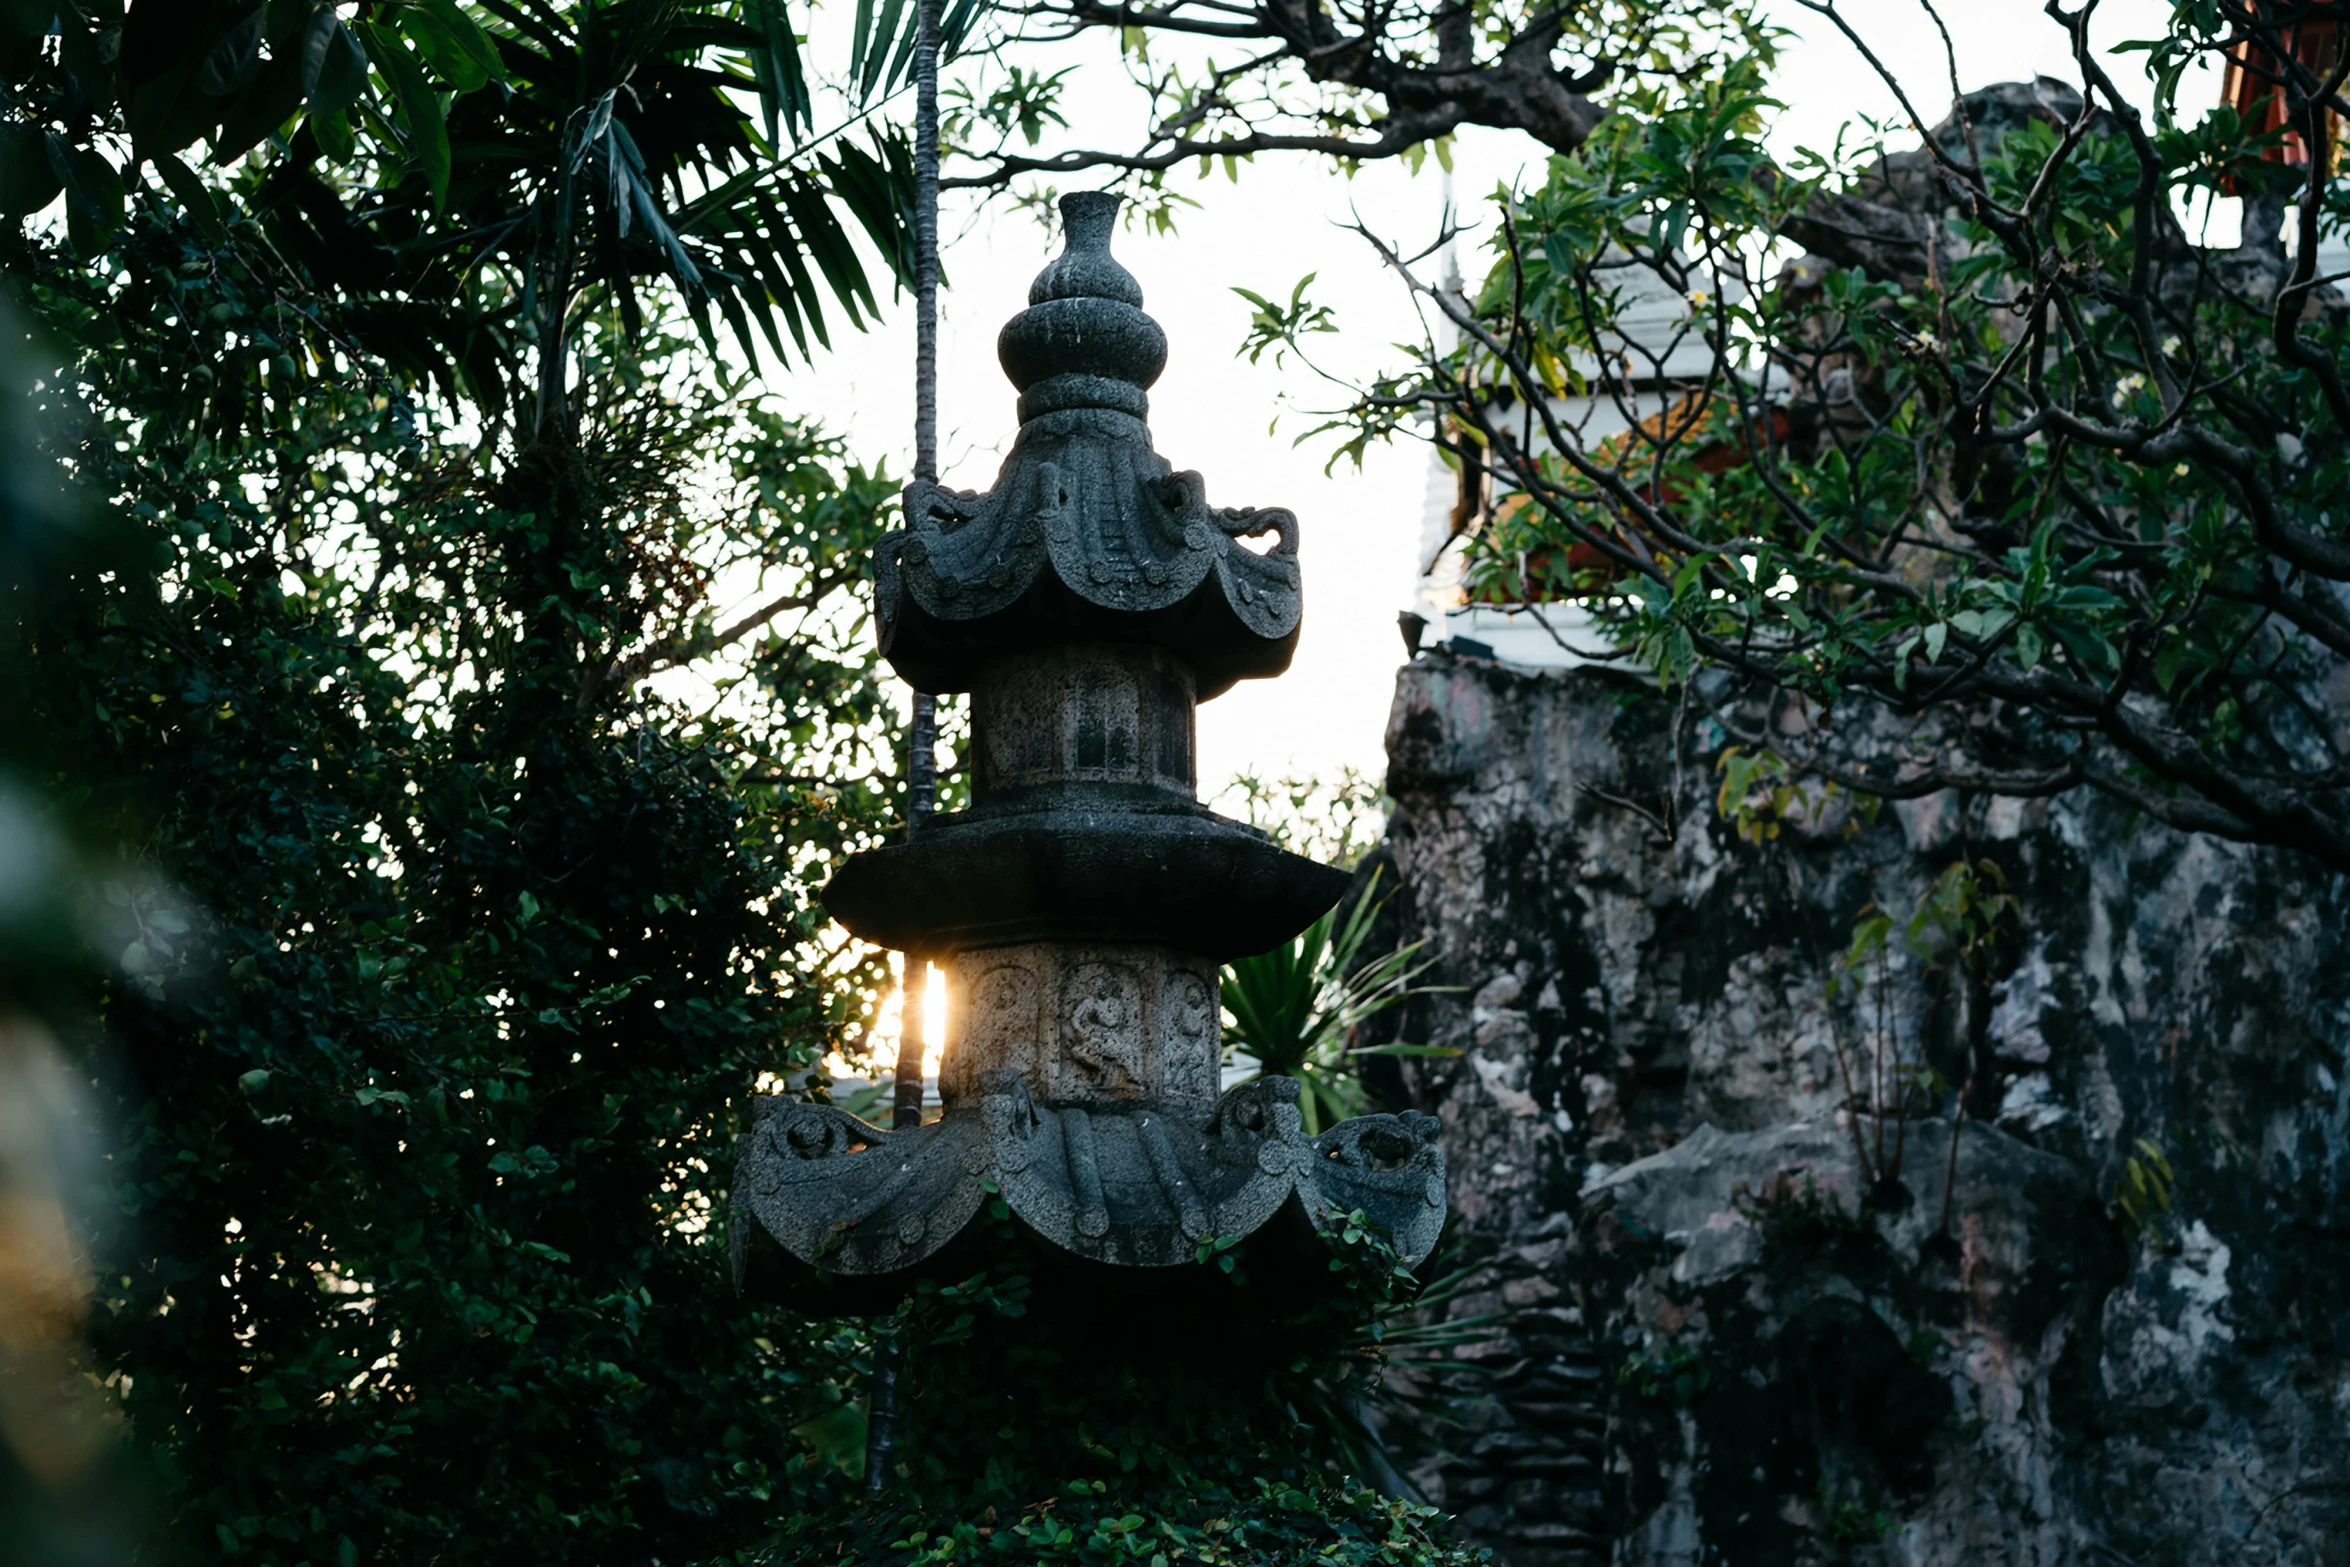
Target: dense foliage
443, 962
446, 189
455, 681
454, 852
1052, 1413
1969, 465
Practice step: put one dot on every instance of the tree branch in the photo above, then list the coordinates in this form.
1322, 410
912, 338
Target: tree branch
1519, 88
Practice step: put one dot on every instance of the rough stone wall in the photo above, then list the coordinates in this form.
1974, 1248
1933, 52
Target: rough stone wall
1734, 1325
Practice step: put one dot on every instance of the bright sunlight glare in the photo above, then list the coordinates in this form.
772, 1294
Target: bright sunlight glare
889, 1030
934, 1022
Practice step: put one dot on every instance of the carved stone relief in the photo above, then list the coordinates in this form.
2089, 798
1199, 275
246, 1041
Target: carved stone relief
998, 1024
1101, 1035
1087, 714
1191, 1041
1107, 716
1085, 1023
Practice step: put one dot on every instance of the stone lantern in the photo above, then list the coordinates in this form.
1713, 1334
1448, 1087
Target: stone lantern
1083, 903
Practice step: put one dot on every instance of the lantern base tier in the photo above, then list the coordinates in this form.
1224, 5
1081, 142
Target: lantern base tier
1128, 1185
1183, 878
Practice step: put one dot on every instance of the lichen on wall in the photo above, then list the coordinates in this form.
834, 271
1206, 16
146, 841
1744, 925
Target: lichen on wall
1742, 1324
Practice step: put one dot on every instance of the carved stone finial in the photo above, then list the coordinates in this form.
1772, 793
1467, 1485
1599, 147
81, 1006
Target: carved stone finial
1086, 269
1083, 341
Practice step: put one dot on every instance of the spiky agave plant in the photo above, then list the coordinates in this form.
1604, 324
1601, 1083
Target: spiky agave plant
1296, 1010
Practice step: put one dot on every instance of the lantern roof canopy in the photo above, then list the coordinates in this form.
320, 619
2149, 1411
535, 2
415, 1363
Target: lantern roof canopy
1087, 534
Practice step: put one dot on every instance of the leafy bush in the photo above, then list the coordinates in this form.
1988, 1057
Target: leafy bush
442, 950
1196, 1414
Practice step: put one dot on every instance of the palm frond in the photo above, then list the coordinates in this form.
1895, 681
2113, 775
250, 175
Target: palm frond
439, 154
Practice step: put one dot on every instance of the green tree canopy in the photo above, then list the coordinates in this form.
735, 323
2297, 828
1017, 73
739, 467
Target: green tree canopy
2007, 485
451, 830
450, 189
1963, 466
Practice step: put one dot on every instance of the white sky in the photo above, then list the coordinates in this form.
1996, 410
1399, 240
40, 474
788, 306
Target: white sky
1283, 219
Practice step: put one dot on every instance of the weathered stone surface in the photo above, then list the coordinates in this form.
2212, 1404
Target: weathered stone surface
1081, 719
1727, 1340
1084, 824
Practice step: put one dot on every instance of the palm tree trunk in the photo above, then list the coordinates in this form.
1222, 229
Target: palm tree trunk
922, 740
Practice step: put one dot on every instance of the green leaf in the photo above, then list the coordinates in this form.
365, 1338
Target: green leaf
93, 195
334, 68
954, 29
860, 39
233, 58
872, 57
333, 134
263, 107
27, 182
453, 42
2168, 661
420, 107
80, 52
2092, 647
2027, 646
775, 64
1901, 657
201, 206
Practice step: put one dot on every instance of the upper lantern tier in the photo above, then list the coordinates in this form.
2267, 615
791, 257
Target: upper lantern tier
1088, 535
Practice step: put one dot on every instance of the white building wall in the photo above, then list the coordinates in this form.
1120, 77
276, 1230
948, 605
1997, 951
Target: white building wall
1662, 348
